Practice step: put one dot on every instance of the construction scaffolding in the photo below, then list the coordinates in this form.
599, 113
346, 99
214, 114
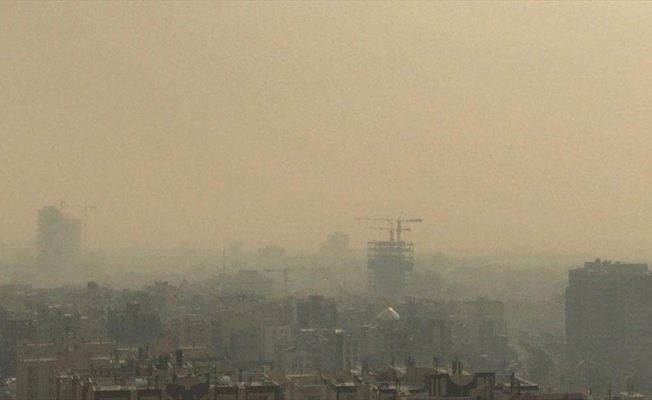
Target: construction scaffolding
389, 266
390, 263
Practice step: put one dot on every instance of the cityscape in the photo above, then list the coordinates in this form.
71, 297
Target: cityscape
294, 329
325, 200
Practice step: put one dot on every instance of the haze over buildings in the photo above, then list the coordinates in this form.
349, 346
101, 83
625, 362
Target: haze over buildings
325, 200
504, 124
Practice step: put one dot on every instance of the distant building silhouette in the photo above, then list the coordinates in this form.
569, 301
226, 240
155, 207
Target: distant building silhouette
608, 309
316, 312
59, 237
247, 282
335, 249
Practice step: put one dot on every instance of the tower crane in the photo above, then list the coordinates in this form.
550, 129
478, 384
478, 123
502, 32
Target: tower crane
399, 228
396, 225
391, 230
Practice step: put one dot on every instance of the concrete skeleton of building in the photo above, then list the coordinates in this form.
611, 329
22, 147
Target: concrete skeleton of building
390, 263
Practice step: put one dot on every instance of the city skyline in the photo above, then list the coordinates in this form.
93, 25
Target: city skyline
325, 200
502, 125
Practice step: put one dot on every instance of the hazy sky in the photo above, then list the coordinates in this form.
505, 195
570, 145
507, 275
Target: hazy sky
500, 124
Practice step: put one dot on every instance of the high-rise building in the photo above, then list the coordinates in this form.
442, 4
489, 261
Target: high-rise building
609, 312
335, 250
390, 266
59, 237
390, 263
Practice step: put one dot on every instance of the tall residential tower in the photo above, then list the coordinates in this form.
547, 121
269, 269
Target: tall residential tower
58, 242
609, 313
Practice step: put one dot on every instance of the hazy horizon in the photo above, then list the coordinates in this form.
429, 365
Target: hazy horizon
502, 124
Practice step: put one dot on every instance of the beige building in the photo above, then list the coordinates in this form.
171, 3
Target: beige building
39, 366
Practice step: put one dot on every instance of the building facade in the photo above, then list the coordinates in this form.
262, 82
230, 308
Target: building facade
609, 312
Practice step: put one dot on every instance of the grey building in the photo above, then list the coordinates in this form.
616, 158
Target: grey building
59, 238
609, 312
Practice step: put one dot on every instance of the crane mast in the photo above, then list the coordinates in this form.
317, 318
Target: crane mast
395, 225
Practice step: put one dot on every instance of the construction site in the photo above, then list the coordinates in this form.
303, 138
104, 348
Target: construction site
390, 263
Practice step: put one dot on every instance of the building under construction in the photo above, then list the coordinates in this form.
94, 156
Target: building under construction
390, 263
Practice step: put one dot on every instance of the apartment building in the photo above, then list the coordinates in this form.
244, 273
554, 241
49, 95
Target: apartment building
608, 313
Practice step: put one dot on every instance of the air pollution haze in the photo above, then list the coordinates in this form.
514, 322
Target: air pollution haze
503, 125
